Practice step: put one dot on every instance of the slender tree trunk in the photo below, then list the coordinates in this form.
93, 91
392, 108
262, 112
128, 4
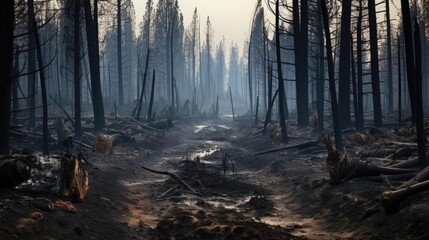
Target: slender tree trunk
77, 80
344, 66
399, 83
265, 73
6, 57
172, 67
270, 90
420, 125
42, 77
331, 72
280, 77
375, 71
140, 103
389, 59
321, 75
250, 74
152, 92
119, 48
359, 111
409, 53
301, 60
93, 51
15, 86
232, 103
355, 97
31, 80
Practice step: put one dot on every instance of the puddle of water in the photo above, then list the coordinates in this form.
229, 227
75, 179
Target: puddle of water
204, 153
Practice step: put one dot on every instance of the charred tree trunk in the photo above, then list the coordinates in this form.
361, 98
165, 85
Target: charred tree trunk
250, 74
331, 73
375, 71
42, 77
359, 110
389, 59
344, 66
152, 92
94, 63
301, 58
31, 80
270, 91
420, 125
15, 86
409, 53
139, 105
6, 57
77, 81
119, 48
399, 83
321, 75
355, 101
280, 77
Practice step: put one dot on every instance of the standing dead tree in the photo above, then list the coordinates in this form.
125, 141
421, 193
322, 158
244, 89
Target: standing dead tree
6, 58
91, 20
33, 27
414, 78
331, 71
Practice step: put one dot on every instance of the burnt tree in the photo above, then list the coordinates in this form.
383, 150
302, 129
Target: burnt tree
6, 57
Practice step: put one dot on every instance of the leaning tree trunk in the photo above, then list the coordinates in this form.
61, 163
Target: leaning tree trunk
140, 103
6, 58
331, 73
280, 77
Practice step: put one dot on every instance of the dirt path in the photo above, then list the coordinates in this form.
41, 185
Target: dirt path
281, 195
255, 200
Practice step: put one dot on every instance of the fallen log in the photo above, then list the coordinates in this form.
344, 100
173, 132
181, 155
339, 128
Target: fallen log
420, 177
392, 199
304, 145
162, 124
144, 126
175, 177
342, 167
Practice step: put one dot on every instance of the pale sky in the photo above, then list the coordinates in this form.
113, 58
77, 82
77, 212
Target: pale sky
229, 18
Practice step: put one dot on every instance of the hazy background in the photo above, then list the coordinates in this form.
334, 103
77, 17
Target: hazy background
229, 18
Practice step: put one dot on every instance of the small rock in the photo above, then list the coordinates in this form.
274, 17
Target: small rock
36, 215
43, 204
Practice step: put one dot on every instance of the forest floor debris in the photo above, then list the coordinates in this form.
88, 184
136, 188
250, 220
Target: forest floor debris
283, 194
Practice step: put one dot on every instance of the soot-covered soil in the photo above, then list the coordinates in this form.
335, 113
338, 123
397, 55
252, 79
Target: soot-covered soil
279, 195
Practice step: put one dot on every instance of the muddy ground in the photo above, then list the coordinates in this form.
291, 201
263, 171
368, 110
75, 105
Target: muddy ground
280, 195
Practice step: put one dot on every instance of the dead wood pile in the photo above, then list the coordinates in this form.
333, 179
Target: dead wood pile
380, 155
197, 178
